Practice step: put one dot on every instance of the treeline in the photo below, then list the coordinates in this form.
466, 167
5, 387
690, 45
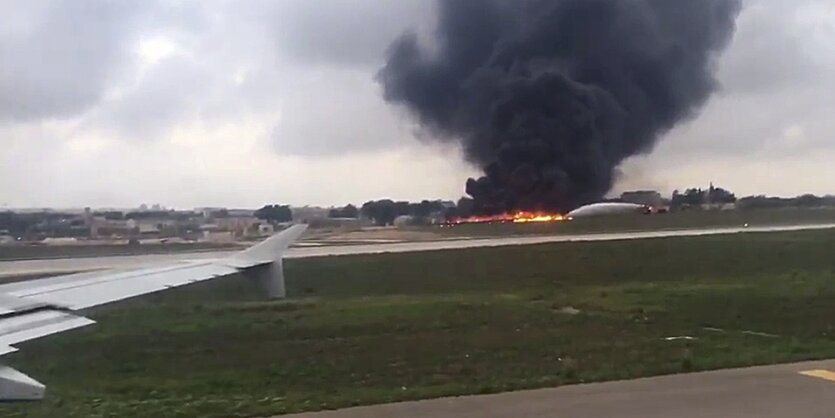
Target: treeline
697, 197
347, 212
770, 202
19, 224
48, 223
275, 213
718, 196
384, 212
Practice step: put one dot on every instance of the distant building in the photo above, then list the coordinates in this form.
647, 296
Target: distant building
307, 214
153, 227
208, 212
218, 237
241, 212
148, 228
239, 226
62, 225
643, 197
100, 227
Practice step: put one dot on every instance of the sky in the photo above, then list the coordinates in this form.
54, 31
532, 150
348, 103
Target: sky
239, 104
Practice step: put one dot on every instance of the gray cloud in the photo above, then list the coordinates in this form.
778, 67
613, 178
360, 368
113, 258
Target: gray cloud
775, 76
346, 32
772, 49
317, 119
771, 126
308, 67
57, 58
170, 92
295, 78
329, 103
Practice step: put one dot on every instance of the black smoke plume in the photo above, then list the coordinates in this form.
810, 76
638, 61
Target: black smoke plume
550, 96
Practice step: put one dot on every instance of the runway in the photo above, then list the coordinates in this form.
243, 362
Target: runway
802, 390
60, 265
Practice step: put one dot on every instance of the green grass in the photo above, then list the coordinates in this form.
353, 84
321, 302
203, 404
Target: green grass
370, 329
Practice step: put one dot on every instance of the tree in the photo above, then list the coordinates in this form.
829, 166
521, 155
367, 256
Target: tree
349, 211
763, 202
149, 215
808, 200
20, 224
770, 202
220, 213
720, 195
111, 215
465, 207
382, 212
690, 198
427, 208
402, 208
275, 213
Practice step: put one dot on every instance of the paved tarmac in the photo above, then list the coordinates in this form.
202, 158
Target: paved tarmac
13, 268
761, 392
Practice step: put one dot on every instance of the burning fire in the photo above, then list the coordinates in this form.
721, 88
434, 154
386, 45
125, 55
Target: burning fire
526, 217
517, 217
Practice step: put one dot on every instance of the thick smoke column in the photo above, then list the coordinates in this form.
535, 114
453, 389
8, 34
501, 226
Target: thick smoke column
549, 96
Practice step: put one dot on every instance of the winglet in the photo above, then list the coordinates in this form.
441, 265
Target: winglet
16, 386
263, 261
268, 251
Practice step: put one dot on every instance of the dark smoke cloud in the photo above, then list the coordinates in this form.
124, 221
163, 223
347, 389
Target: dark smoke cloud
550, 96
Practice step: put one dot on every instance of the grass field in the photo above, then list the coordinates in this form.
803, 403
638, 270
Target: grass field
381, 328
674, 220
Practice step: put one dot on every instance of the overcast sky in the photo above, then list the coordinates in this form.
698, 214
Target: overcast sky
222, 103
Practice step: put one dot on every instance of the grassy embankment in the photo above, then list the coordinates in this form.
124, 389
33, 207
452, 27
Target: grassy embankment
370, 329
675, 220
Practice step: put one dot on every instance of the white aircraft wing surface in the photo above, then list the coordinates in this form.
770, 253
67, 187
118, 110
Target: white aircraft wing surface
37, 308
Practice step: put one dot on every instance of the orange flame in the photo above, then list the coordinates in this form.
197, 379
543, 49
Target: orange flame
527, 217
517, 217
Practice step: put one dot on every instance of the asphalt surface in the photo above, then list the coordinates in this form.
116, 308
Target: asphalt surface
14, 268
759, 392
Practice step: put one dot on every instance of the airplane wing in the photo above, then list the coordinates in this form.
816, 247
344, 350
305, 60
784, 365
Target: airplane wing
37, 308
